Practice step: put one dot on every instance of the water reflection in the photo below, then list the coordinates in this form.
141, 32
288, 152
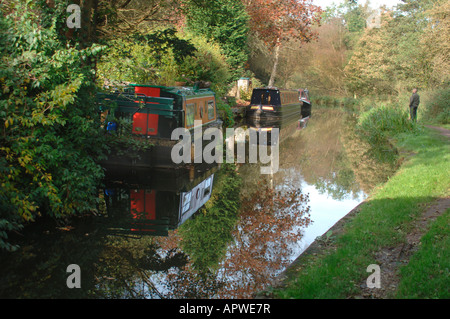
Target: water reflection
315, 161
154, 201
204, 231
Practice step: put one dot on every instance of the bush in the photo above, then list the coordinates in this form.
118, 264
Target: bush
225, 113
207, 64
146, 61
436, 107
51, 136
379, 123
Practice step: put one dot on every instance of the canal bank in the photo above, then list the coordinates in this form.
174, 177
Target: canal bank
403, 227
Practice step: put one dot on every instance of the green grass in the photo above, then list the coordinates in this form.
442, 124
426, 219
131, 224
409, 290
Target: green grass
427, 274
383, 222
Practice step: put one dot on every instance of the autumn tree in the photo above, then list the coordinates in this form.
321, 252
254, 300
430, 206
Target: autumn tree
122, 17
277, 22
271, 222
318, 65
371, 68
391, 58
435, 40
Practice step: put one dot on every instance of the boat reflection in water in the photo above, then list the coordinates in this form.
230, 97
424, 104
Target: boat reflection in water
273, 131
152, 201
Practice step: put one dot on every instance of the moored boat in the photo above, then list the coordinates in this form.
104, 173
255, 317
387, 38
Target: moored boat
148, 114
274, 103
305, 103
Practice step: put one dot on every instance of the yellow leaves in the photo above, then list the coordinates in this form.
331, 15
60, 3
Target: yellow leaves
23, 161
8, 122
5, 89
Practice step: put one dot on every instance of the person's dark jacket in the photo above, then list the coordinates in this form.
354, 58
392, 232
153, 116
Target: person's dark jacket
414, 100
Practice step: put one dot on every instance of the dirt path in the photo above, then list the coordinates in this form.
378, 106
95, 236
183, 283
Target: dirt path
390, 259
441, 130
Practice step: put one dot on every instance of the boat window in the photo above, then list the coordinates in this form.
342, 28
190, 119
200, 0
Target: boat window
210, 110
186, 202
190, 114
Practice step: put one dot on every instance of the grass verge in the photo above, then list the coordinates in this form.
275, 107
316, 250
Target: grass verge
384, 221
429, 267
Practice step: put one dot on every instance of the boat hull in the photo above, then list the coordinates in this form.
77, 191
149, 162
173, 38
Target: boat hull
156, 153
278, 112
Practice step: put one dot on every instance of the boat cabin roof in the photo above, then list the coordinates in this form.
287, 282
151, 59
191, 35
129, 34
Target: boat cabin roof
181, 91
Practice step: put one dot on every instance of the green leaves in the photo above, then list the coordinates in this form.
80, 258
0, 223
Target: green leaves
225, 23
50, 133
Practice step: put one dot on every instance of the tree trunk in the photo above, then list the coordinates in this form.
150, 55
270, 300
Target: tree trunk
275, 64
89, 21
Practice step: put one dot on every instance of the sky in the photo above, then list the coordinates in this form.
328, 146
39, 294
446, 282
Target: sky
375, 4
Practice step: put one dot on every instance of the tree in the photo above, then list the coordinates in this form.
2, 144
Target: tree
436, 44
51, 137
226, 23
124, 17
392, 58
319, 65
280, 21
371, 69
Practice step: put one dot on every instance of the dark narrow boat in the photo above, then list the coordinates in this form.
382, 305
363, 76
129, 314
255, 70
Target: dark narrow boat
274, 103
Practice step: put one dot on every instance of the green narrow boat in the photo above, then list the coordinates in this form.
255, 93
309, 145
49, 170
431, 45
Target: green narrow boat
150, 113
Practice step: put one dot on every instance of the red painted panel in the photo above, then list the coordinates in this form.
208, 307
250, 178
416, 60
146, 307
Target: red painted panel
152, 128
143, 204
137, 203
148, 91
144, 124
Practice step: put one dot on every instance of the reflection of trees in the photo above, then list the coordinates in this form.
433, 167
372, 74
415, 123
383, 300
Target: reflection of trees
270, 223
317, 152
331, 157
127, 267
206, 236
371, 166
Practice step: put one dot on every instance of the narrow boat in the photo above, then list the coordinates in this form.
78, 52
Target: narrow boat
146, 115
305, 103
273, 103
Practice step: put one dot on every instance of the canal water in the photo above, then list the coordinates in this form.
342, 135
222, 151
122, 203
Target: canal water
206, 231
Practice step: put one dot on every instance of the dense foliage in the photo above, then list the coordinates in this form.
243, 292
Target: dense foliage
402, 52
175, 58
50, 130
226, 23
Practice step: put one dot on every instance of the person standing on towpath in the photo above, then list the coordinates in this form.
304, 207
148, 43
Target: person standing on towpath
414, 104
